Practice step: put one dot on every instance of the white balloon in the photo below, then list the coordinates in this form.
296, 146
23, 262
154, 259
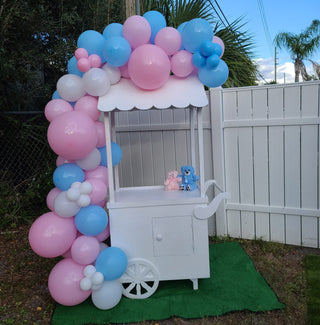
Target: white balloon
85, 188
96, 82
113, 73
89, 270
91, 161
64, 207
76, 185
85, 284
84, 200
73, 194
71, 87
108, 296
97, 278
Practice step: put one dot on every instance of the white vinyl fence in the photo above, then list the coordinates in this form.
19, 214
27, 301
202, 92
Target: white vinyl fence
261, 145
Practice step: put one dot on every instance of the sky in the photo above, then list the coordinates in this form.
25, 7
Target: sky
279, 16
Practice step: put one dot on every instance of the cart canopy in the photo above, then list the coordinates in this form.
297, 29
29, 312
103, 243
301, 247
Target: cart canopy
177, 93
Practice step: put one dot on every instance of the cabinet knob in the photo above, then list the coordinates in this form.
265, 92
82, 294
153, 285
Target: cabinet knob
159, 237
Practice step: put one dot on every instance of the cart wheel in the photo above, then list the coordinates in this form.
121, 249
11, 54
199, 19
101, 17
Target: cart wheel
140, 280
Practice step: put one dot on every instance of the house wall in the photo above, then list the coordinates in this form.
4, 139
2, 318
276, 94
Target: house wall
261, 144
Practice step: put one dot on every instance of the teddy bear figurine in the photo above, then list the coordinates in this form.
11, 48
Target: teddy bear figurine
172, 181
189, 178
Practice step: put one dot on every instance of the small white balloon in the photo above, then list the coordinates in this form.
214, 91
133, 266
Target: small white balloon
96, 82
71, 87
90, 162
89, 270
113, 73
95, 287
76, 185
97, 278
85, 284
64, 207
84, 200
73, 194
86, 188
108, 296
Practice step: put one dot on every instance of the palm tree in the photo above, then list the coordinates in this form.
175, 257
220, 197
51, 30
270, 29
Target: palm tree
238, 44
300, 46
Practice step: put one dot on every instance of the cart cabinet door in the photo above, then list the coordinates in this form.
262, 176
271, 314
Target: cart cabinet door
173, 236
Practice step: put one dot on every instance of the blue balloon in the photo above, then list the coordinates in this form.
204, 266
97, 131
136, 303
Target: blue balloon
114, 29
156, 21
112, 262
66, 174
217, 49
179, 29
212, 61
116, 51
207, 48
72, 67
91, 220
198, 60
56, 95
195, 32
214, 77
92, 41
116, 152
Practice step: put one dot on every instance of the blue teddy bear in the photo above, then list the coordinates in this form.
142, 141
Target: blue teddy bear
189, 179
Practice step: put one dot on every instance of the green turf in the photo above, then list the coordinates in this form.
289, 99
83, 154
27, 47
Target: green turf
234, 285
312, 264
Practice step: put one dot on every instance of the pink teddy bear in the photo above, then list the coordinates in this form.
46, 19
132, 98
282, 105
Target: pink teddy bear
172, 181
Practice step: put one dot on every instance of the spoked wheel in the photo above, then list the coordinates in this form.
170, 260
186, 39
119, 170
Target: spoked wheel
140, 280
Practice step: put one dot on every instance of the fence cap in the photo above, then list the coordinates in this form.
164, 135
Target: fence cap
177, 92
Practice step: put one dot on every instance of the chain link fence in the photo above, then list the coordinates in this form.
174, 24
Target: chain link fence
25, 152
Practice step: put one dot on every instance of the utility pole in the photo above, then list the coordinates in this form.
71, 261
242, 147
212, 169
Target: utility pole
275, 65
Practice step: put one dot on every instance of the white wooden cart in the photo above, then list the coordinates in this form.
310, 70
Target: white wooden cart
163, 233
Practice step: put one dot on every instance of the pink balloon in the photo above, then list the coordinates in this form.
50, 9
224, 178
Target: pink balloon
56, 107
83, 64
99, 190
88, 105
85, 249
169, 39
219, 41
136, 30
101, 134
51, 235
81, 53
95, 61
51, 196
72, 135
105, 234
60, 161
102, 204
100, 173
124, 71
181, 64
64, 283
149, 67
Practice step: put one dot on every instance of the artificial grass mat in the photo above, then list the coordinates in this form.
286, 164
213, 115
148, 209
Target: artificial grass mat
234, 285
312, 265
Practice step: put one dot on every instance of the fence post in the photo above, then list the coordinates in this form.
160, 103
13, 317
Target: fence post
216, 110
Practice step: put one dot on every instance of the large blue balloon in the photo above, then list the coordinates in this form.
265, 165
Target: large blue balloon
91, 220
116, 152
92, 41
66, 174
156, 21
198, 60
214, 77
116, 51
72, 67
114, 29
194, 33
112, 263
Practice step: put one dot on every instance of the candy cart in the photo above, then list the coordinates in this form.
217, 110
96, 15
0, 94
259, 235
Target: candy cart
163, 233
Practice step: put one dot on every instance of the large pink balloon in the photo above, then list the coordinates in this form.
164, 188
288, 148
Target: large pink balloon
105, 234
85, 249
88, 105
72, 135
100, 173
99, 190
169, 39
149, 67
56, 107
136, 30
64, 283
51, 235
101, 134
181, 64
51, 196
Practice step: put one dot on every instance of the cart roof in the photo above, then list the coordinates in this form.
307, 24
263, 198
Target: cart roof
176, 92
